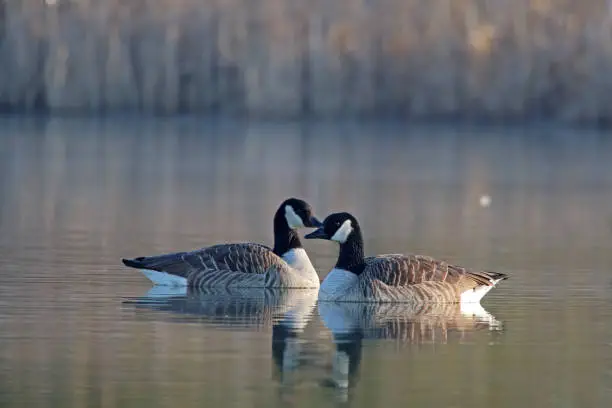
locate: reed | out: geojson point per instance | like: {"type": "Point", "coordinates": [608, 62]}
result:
{"type": "Point", "coordinates": [470, 59]}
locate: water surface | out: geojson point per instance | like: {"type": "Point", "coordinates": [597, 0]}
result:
{"type": "Point", "coordinates": [78, 329]}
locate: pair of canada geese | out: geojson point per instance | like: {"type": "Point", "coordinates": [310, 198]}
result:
{"type": "Point", "coordinates": [354, 278]}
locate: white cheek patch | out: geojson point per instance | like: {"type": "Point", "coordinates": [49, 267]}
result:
{"type": "Point", "coordinates": [293, 220]}
{"type": "Point", "coordinates": [343, 232]}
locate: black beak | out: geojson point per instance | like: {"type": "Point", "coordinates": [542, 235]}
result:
{"type": "Point", "coordinates": [313, 222]}
{"type": "Point", "coordinates": [318, 233]}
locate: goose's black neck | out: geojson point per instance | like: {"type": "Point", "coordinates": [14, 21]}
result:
{"type": "Point", "coordinates": [351, 256]}
{"type": "Point", "coordinates": [285, 238]}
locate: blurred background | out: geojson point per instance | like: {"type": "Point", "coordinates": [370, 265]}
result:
{"type": "Point", "coordinates": [468, 59]}
{"type": "Point", "coordinates": [470, 131]}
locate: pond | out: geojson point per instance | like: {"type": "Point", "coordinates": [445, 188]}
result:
{"type": "Point", "coordinates": [77, 328]}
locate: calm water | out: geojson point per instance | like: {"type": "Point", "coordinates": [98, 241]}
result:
{"type": "Point", "coordinates": [79, 330]}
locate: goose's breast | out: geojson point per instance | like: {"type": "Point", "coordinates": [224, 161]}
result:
{"type": "Point", "coordinates": [298, 259]}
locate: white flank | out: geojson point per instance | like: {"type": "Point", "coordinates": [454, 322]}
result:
{"type": "Point", "coordinates": [336, 283]}
{"type": "Point", "coordinates": [293, 220]}
{"type": "Point", "coordinates": [163, 278]}
{"type": "Point", "coordinates": [298, 259]}
{"type": "Point", "coordinates": [343, 232]}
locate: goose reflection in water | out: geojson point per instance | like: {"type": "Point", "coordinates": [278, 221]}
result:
{"type": "Point", "coordinates": [288, 311]}
{"type": "Point", "coordinates": [352, 324]}
{"type": "Point", "coordinates": [292, 308]}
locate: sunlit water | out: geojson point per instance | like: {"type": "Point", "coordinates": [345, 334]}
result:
{"type": "Point", "coordinates": [77, 329]}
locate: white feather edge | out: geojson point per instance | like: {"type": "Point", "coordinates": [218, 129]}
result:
{"type": "Point", "coordinates": [163, 278]}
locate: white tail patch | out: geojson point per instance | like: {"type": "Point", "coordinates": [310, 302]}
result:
{"type": "Point", "coordinates": [474, 295]}
{"type": "Point", "coordinates": [163, 278]}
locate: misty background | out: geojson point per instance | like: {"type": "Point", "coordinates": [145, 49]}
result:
{"type": "Point", "coordinates": [467, 59]}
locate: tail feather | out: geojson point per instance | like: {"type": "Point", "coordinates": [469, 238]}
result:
{"type": "Point", "coordinates": [133, 263]}
{"type": "Point", "coordinates": [497, 276]}
{"type": "Point", "coordinates": [161, 270]}
{"type": "Point", "coordinates": [173, 264]}
{"type": "Point", "coordinates": [486, 278]}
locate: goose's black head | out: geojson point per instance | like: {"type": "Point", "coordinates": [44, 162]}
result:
{"type": "Point", "coordinates": [292, 214]}
{"type": "Point", "coordinates": [339, 227]}
{"type": "Point", "coordinates": [344, 229]}
{"type": "Point", "coordinates": [296, 214]}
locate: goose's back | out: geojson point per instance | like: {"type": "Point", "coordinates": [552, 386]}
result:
{"type": "Point", "coordinates": [234, 261]}
{"type": "Point", "coordinates": [398, 277]}
{"type": "Point", "coordinates": [244, 257]}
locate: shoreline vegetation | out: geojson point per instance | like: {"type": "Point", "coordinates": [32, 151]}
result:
{"type": "Point", "coordinates": [474, 60]}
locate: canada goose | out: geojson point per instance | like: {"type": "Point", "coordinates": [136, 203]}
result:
{"type": "Point", "coordinates": [394, 277]}
{"type": "Point", "coordinates": [246, 265]}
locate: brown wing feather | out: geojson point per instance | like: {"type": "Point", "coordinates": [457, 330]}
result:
{"type": "Point", "coordinates": [242, 257]}
{"type": "Point", "coordinates": [406, 270]}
